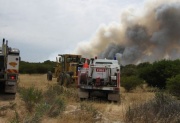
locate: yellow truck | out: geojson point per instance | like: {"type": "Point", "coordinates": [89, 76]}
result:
{"type": "Point", "coordinates": [66, 69]}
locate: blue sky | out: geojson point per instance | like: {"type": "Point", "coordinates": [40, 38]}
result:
{"type": "Point", "coordinates": [42, 29]}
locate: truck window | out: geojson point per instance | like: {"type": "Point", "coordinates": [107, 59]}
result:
{"type": "Point", "coordinates": [103, 63]}
{"type": "Point", "coordinates": [68, 60]}
{"type": "Point", "coordinates": [13, 51]}
{"type": "Point", "coordinates": [72, 59]}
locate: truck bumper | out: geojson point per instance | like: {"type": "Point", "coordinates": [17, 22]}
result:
{"type": "Point", "coordinates": [110, 95]}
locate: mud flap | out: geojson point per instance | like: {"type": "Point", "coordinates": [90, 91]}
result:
{"type": "Point", "coordinates": [114, 97]}
{"type": "Point", "coordinates": [10, 88]}
{"type": "Point", "coordinates": [83, 94]}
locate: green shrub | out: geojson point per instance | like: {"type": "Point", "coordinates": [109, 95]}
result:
{"type": "Point", "coordinates": [130, 82]}
{"type": "Point", "coordinates": [173, 85]}
{"type": "Point", "coordinates": [41, 109]}
{"type": "Point", "coordinates": [51, 103]}
{"type": "Point", "coordinates": [51, 93]}
{"type": "Point", "coordinates": [54, 98]}
{"type": "Point", "coordinates": [88, 107]}
{"type": "Point", "coordinates": [30, 96]}
{"type": "Point", "coordinates": [57, 107]}
{"type": "Point", "coordinates": [57, 90]}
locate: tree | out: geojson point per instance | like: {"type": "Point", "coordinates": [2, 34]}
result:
{"type": "Point", "coordinates": [129, 70]}
{"type": "Point", "coordinates": [130, 82]}
{"type": "Point", "coordinates": [157, 73]}
{"type": "Point", "coordinates": [173, 85]}
{"type": "Point", "coordinates": [40, 68]}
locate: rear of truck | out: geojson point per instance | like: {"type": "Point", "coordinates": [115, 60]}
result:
{"type": "Point", "coordinates": [12, 71]}
{"type": "Point", "coordinates": [100, 79]}
{"type": "Point", "coordinates": [9, 68]}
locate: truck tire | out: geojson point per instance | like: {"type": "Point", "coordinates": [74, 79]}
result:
{"type": "Point", "coordinates": [49, 76]}
{"type": "Point", "coordinates": [61, 79]}
{"type": "Point", "coordinates": [67, 80]}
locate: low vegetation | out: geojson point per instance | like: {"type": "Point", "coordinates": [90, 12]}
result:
{"type": "Point", "coordinates": [31, 96]}
{"type": "Point", "coordinates": [50, 103]}
{"type": "Point", "coordinates": [154, 97]}
{"type": "Point", "coordinates": [60, 104]}
{"type": "Point", "coordinates": [163, 108]}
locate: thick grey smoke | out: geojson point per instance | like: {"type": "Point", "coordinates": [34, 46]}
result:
{"type": "Point", "coordinates": [150, 35]}
{"type": "Point", "coordinates": [111, 50]}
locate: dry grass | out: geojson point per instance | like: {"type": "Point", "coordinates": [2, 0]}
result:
{"type": "Point", "coordinates": [163, 108]}
{"type": "Point", "coordinates": [106, 111]}
{"type": "Point", "coordinates": [38, 80]}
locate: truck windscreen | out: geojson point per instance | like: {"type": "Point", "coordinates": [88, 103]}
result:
{"type": "Point", "coordinates": [103, 63]}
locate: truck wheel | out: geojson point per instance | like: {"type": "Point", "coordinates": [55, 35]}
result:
{"type": "Point", "coordinates": [64, 79]}
{"type": "Point", "coordinates": [61, 79]}
{"type": "Point", "coordinates": [49, 76]}
{"type": "Point", "coordinates": [67, 80]}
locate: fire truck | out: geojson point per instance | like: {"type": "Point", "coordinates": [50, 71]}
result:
{"type": "Point", "coordinates": [100, 78]}
{"type": "Point", "coordinates": [9, 68]}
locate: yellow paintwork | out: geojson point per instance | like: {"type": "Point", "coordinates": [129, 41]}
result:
{"type": "Point", "coordinates": [69, 64]}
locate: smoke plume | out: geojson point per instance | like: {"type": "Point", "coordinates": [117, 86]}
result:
{"type": "Point", "coordinates": [152, 34]}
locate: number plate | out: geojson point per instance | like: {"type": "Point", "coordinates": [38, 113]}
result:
{"type": "Point", "coordinates": [11, 83]}
{"type": "Point", "coordinates": [100, 69]}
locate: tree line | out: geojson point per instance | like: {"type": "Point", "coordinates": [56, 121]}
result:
{"type": "Point", "coordinates": [36, 68]}
{"type": "Point", "coordinates": [163, 74]}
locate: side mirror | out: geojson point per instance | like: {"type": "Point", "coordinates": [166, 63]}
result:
{"type": "Point", "coordinates": [60, 59]}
